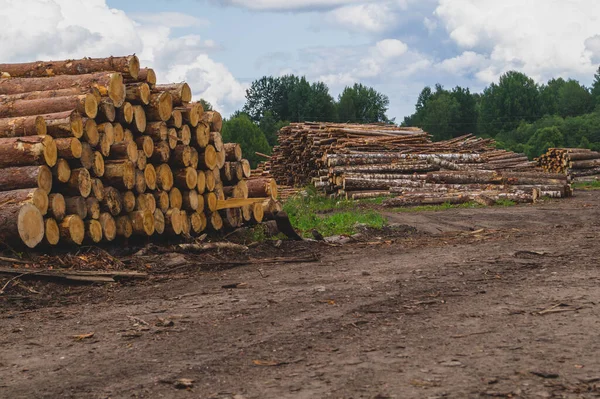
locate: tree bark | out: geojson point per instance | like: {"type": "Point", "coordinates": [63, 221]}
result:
{"type": "Point", "coordinates": [160, 107]}
{"type": "Point", "coordinates": [22, 221]}
{"type": "Point", "coordinates": [34, 125]}
{"type": "Point", "coordinates": [34, 196]}
{"type": "Point", "coordinates": [14, 178]}
{"type": "Point", "coordinates": [27, 151]}
{"type": "Point", "coordinates": [112, 201]}
{"type": "Point", "coordinates": [76, 206]}
{"type": "Point", "coordinates": [181, 92]}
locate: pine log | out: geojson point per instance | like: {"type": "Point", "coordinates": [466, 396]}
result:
{"type": "Point", "coordinates": [246, 169]}
{"type": "Point", "coordinates": [176, 120]}
{"type": "Point", "coordinates": [22, 221]}
{"type": "Point", "coordinates": [242, 185]}
{"type": "Point", "coordinates": [72, 229]}
{"type": "Point", "coordinates": [93, 230]}
{"type": "Point", "coordinates": [68, 148]}
{"type": "Point", "coordinates": [262, 187]}
{"type": "Point", "coordinates": [175, 198]}
{"type": "Point", "coordinates": [186, 225]}
{"type": "Point", "coordinates": [56, 206]}
{"type": "Point", "coordinates": [164, 177]}
{"type": "Point", "coordinates": [142, 222]}
{"type": "Point", "coordinates": [210, 180]}
{"type": "Point", "coordinates": [107, 83]}
{"type": "Point", "coordinates": [34, 196]}
{"type": "Point", "coordinates": [76, 206]}
{"type": "Point", "coordinates": [140, 182]}
{"type": "Point", "coordinates": [119, 133]}
{"type": "Point", "coordinates": [585, 164]}
{"type": "Point", "coordinates": [129, 66]}
{"type": "Point", "coordinates": [160, 107]}
{"type": "Point", "coordinates": [186, 178]}
{"type": "Point", "coordinates": [14, 178]}
{"type": "Point", "coordinates": [192, 113]}
{"type": "Point", "coordinates": [208, 159]}
{"type": "Point", "coordinates": [233, 152]}
{"type": "Point", "coordinates": [85, 104]}
{"type": "Point", "coordinates": [98, 164]}
{"type": "Point", "coordinates": [161, 152]}
{"type": "Point", "coordinates": [106, 110]}
{"type": "Point", "coordinates": [181, 156]}
{"type": "Point", "coordinates": [190, 200]}
{"type": "Point", "coordinates": [417, 167]}
{"type": "Point", "coordinates": [216, 140]}
{"type": "Point", "coordinates": [93, 208]}
{"type": "Point", "coordinates": [197, 222]}
{"type": "Point", "coordinates": [181, 92]}
{"type": "Point", "coordinates": [120, 174]}
{"type": "Point", "coordinates": [138, 93]}
{"type": "Point", "coordinates": [162, 200]}
{"type": "Point", "coordinates": [258, 212]}
{"type": "Point", "coordinates": [33, 125]}
{"type": "Point", "coordinates": [221, 159]}
{"type": "Point", "coordinates": [124, 150]}
{"type": "Point", "coordinates": [80, 183]}
{"type": "Point", "coordinates": [202, 134]}
{"type": "Point", "coordinates": [27, 151]}
{"type": "Point", "coordinates": [145, 144]}
{"type": "Point", "coordinates": [201, 186]}
{"type": "Point", "coordinates": [173, 221]}
{"type": "Point", "coordinates": [214, 119]}
{"type": "Point", "coordinates": [214, 221]}
{"type": "Point", "coordinates": [112, 201]}
{"type": "Point", "coordinates": [98, 189]}
{"type": "Point", "coordinates": [61, 171]}
{"type": "Point", "coordinates": [124, 226]}
{"type": "Point", "coordinates": [128, 201]}
{"type": "Point", "coordinates": [184, 135]}
{"type": "Point", "coordinates": [51, 232]}
{"type": "Point", "coordinates": [146, 75]}
{"type": "Point", "coordinates": [195, 158]}
{"type": "Point", "coordinates": [64, 124]}
{"type": "Point", "coordinates": [159, 221]}
{"type": "Point", "coordinates": [109, 226]}
{"type": "Point", "coordinates": [210, 202]}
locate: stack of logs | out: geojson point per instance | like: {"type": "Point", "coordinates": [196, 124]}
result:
{"type": "Point", "coordinates": [368, 161]}
{"type": "Point", "coordinates": [94, 150]}
{"type": "Point", "coordinates": [574, 162]}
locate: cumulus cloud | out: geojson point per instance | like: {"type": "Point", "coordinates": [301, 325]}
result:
{"type": "Point", "coordinates": [542, 38]}
{"type": "Point", "coordinates": [61, 29]}
{"type": "Point", "coordinates": [467, 62]}
{"type": "Point", "coordinates": [373, 17]}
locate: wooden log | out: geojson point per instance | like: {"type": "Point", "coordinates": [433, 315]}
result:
{"type": "Point", "coordinates": [112, 201]}
{"type": "Point", "coordinates": [34, 196]}
{"type": "Point", "coordinates": [181, 156]}
{"type": "Point", "coordinates": [162, 200]}
{"type": "Point", "coordinates": [478, 177]}
{"type": "Point", "coordinates": [581, 156]}
{"type": "Point", "coordinates": [173, 222]}
{"type": "Point", "coordinates": [85, 104]}
{"type": "Point", "coordinates": [207, 160]}
{"type": "Point", "coordinates": [137, 93]}
{"type": "Point", "coordinates": [72, 229]}
{"type": "Point", "coordinates": [181, 92]}
{"type": "Point", "coordinates": [184, 135]}
{"type": "Point", "coordinates": [201, 186]}
{"type": "Point", "coordinates": [246, 169]}
{"type": "Point", "coordinates": [98, 164]}
{"type": "Point", "coordinates": [76, 206]}
{"type": "Point", "coordinates": [585, 164]}
{"type": "Point", "coordinates": [146, 144]}
{"type": "Point", "coordinates": [129, 66]}
{"type": "Point", "coordinates": [172, 138]}
{"type": "Point", "coordinates": [80, 183]}
{"type": "Point", "coordinates": [51, 232]}
{"type": "Point", "coordinates": [108, 84]}
{"type": "Point", "coordinates": [262, 187]}
{"type": "Point", "coordinates": [202, 134]}
{"type": "Point", "coordinates": [186, 225]}
{"type": "Point", "coordinates": [57, 207]}
{"type": "Point", "coordinates": [93, 208]}
{"type": "Point", "coordinates": [150, 176]}
{"type": "Point", "coordinates": [214, 119]}
{"type": "Point", "coordinates": [160, 106]}
{"type": "Point", "coordinates": [14, 178]}
{"type": "Point", "coordinates": [258, 212]}
{"type": "Point", "coordinates": [231, 218]}
{"type": "Point", "coordinates": [197, 223]}
{"type": "Point", "coordinates": [148, 76]}
{"type": "Point", "coordinates": [242, 185]}
{"type": "Point", "coordinates": [164, 177]}
{"type": "Point", "coordinates": [98, 189]}
{"type": "Point", "coordinates": [195, 158]}
{"type": "Point", "coordinates": [33, 125]}
{"type": "Point", "coordinates": [186, 178]}
{"type": "Point", "coordinates": [106, 110]}
{"type": "Point", "coordinates": [107, 137]}
{"type": "Point", "coordinates": [120, 174]}
{"type": "Point", "coordinates": [161, 152]}
{"type": "Point", "coordinates": [220, 159]}
{"type": "Point", "coordinates": [159, 221]}
{"type": "Point", "coordinates": [176, 120]}
{"type": "Point", "coordinates": [124, 150]}
{"type": "Point", "coordinates": [233, 152]}
{"type": "Point", "coordinates": [142, 161]}
{"type": "Point", "coordinates": [191, 113]}
{"type": "Point", "coordinates": [109, 226]}
{"type": "Point", "coordinates": [417, 167]}
{"type": "Point", "coordinates": [426, 200]}
{"type": "Point", "coordinates": [214, 221]}
{"type": "Point", "coordinates": [210, 181]}
{"type": "Point", "coordinates": [190, 200]}
{"type": "Point", "coordinates": [27, 151]}
{"type": "Point", "coordinates": [38, 95]}
{"type": "Point", "coordinates": [22, 221]}
{"type": "Point", "coordinates": [175, 198]}
{"type": "Point", "coordinates": [216, 140]}
{"type": "Point", "coordinates": [90, 132]}
{"type": "Point", "coordinates": [211, 201]}
{"type": "Point", "coordinates": [93, 230]}
{"type": "Point", "coordinates": [68, 148]}
{"type": "Point", "coordinates": [142, 222]}
{"type": "Point", "coordinates": [128, 201]}
{"type": "Point", "coordinates": [64, 124]}
{"type": "Point", "coordinates": [124, 226]}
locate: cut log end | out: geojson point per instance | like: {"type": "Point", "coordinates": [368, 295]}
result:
{"type": "Point", "coordinates": [57, 207]}
{"type": "Point", "coordinates": [93, 230]}
{"type": "Point", "coordinates": [72, 229]}
{"type": "Point", "coordinates": [109, 227]}
{"type": "Point", "coordinates": [52, 232]}
{"type": "Point", "coordinates": [30, 225]}
{"type": "Point", "coordinates": [159, 221]}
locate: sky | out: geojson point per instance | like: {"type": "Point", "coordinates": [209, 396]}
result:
{"type": "Point", "coordinates": [396, 46]}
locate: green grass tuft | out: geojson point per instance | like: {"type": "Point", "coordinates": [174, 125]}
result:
{"type": "Point", "coordinates": [588, 185]}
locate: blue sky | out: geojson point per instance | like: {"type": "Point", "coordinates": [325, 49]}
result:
{"type": "Point", "coordinates": [396, 46]}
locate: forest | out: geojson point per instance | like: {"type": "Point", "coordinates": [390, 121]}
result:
{"type": "Point", "coordinates": [520, 114]}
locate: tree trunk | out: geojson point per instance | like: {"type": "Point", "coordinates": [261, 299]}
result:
{"type": "Point", "coordinates": [26, 151]}
{"type": "Point", "coordinates": [233, 152]}
{"type": "Point", "coordinates": [262, 187]}
{"type": "Point", "coordinates": [173, 221]}
{"type": "Point", "coordinates": [138, 93]}
{"type": "Point", "coordinates": [214, 119]}
{"type": "Point", "coordinates": [34, 125]}
{"type": "Point", "coordinates": [129, 66]}
{"type": "Point", "coordinates": [34, 196]}
{"type": "Point", "coordinates": [64, 124]}
{"type": "Point", "coordinates": [207, 160]}
{"type": "Point", "coordinates": [192, 113]}
{"type": "Point", "coordinates": [120, 174]}
{"type": "Point", "coordinates": [197, 222]}
{"type": "Point", "coordinates": [76, 206]}
{"type": "Point", "coordinates": [176, 120]}
{"type": "Point", "coordinates": [22, 221]}
{"type": "Point", "coordinates": [146, 75]}
{"type": "Point", "coordinates": [69, 148]}
{"type": "Point", "coordinates": [160, 107]}
{"type": "Point", "coordinates": [190, 200]}
{"type": "Point", "coordinates": [107, 83]}
{"type": "Point", "coordinates": [14, 178]}
{"type": "Point", "coordinates": [181, 92]}
{"type": "Point", "coordinates": [175, 198]}
{"type": "Point", "coordinates": [186, 178]}
{"type": "Point", "coordinates": [202, 134]}
{"type": "Point", "coordinates": [124, 150]}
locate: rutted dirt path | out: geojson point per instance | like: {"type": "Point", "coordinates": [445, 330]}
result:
{"type": "Point", "coordinates": [500, 302]}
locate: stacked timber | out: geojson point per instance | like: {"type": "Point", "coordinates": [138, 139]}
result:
{"type": "Point", "coordinates": [94, 150]}
{"type": "Point", "coordinates": [574, 162]}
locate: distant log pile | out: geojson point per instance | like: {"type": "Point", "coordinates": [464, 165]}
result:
{"type": "Point", "coordinates": [574, 162]}
{"type": "Point", "coordinates": [94, 150]}
{"type": "Point", "coordinates": [367, 161]}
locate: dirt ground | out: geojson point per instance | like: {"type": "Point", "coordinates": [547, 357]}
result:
{"type": "Point", "coordinates": [495, 302]}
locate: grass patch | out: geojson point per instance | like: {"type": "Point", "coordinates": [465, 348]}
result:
{"type": "Point", "coordinates": [307, 213]}
{"type": "Point", "coordinates": [442, 207]}
{"type": "Point", "coordinates": [587, 185]}
{"type": "Point", "coordinates": [505, 202]}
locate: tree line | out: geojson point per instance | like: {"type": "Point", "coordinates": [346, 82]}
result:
{"type": "Point", "coordinates": [518, 113]}
{"type": "Point", "coordinates": [274, 102]}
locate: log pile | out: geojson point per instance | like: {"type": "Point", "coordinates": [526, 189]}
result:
{"type": "Point", "coordinates": [574, 162]}
{"type": "Point", "coordinates": [367, 161]}
{"type": "Point", "coordinates": [94, 150]}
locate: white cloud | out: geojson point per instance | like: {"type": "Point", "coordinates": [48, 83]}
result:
{"type": "Point", "coordinates": [430, 25]}
{"type": "Point", "coordinates": [170, 19]}
{"type": "Point", "coordinates": [467, 62]}
{"type": "Point", "coordinates": [289, 5]}
{"type": "Point", "coordinates": [390, 48]}
{"type": "Point", "coordinates": [375, 17]}
{"type": "Point", "coordinates": [542, 38]}
{"type": "Point", "coordinates": [592, 46]}
{"type": "Point", "coordinates": [62, 29]}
